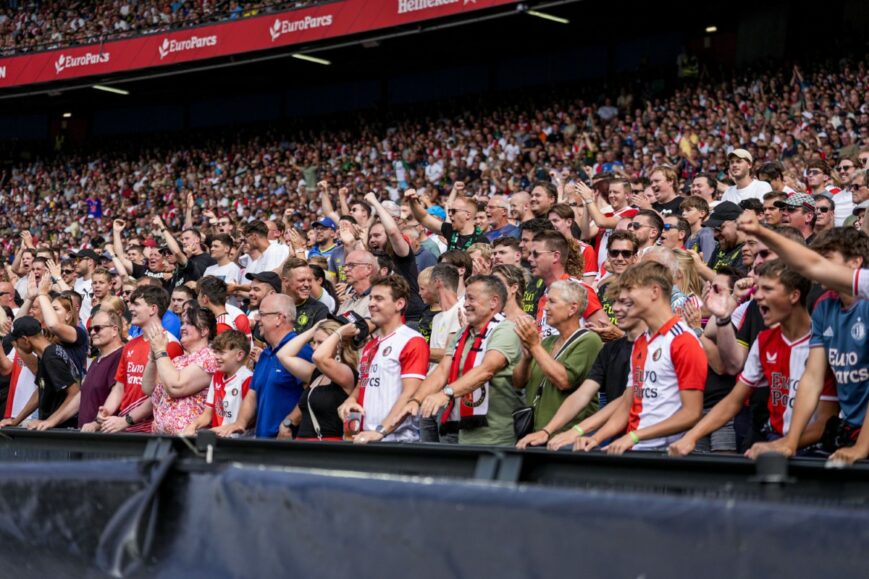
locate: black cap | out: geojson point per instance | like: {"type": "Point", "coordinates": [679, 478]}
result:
{"type": "Point", "coordinates": [352, 317]}
{"type": "Point", "coordinates": [724, 211]}
{"type": "Point", "coordinates": [25, 326]}
{"type": "Point", "coordinates": [85, 253]}
{"type": "Point", "coordinates": [268, 277]}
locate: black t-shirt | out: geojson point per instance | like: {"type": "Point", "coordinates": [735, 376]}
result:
{"type": "Point", "coordinates": [673, 207]}
{"type": "Point", "coordinates": [533, 293]}
{"type": "Point", "coordinates": [406, 267]}
{"type": "Point", "coordinates": [606, 303]}
{"type": "Point", "coordinates": [194, 269]}
{"type": "Point", "coordinates": [717, 387]}
{"type": "Point", "coordinates": [55, 373]}
{"type": "Point", "coordinates": [309, 313]}
{"type": "Point", "coordinates": [78, 350]}
{"type": "Point", "coordinates": [462, 242]}
{"type": "Point", "coordinates": [611, 367]}
{"type": "Point", "coordinates": [140, 271]}
{"type": "Point", "coordinates": [425, 322]}
{"type": "Point", "coordinates": [727, 257]}
{"type": "Point", "coordinates": [325, 402]}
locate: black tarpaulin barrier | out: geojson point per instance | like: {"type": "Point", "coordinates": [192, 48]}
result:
{"type": "Point", "coordinates": [259, 522]}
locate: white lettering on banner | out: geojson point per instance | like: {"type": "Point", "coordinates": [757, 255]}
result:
{"type": "Point", "coordinates": [168, 46]}
{"type": "Point", "coordinates": [64, 62]}
{"type": "Point", "coordinates": [2, 72]}
{"type": "Point", "coordinates": [405, 6]}
{"type": "Point", "coordinates": [281, 27]}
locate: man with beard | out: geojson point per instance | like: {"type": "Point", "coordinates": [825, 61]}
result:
{"type": "Point", "coordinates": [744, 187]}
{"type": "Point", "coordinates": [520, 207]}
{"type": "Point", "coordinates": [461, 233]}
{"type": "Point", "coordinates": [325, 229]}
{"type": "Point", "coordinates": [192, 261]}
{"type": "Point", "coordinates": [298, 279]}
{"type": "Point", "coordinates": [729, 238]}
{"type": "Point", "coordinates": [86, 263]}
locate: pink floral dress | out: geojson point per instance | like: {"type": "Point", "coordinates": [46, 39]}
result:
{"type": "Point", "coordinates": [172, 415]}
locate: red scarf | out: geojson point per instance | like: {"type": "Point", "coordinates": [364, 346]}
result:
{"type": "Point", "coordinates": [471, 413]}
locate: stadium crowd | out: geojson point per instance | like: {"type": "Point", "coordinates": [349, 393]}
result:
{"type": "Point", "coordinates": [31, 25]}
{"type": "Point", "coordinates": [682, 274]}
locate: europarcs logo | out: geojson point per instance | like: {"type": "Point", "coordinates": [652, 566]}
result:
{"type": "Point", "coordinates": [168, 46]}
{"type": "Point", "coordinates": [280, 27]}
{"type": "Point", "coordinates": [65, 62]}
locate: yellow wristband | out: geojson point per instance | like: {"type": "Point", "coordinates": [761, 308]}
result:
{"type": "Point", "coordinates": [579, 429]}
{"type": "Point", "coordinates": [634, 436]}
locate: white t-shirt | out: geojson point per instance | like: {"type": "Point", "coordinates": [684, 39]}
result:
{"type": "Point", "coordinates": [328, 301]}
{"type": "Point", "coordinates": [844, 201]}
{"type": "Point", "coordinates": [85, 289]}
{"type": "Point", "coordinates": [442, 326]}
{"type": "Point", "coordinates": [755, 190]}
{"type": "Point", "coordinates": [271, 259]}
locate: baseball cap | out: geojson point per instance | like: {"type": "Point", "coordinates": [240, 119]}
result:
{"type": "Point", "coordinates": [268, 277]}
{"type": "Point", "coordinates": [742, 154]}
{"type": "Point", "coordinates": [724, 211]}
{"type": "Point", "coordinates": [437, 211]}
{"type": "Point", "coordinates": [327, 223]}
{"type": "Point", "coordinates": [87, 253]}
{"type": "Point", "coordinates": [803, 200]}
{"type": "Point", "coordinates": [25, 326]}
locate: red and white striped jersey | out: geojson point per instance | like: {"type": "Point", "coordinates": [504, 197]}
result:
{"type": "Point", "coordinates": [662, 365]}
{"type": "Point", "coordinates": [233, 319]}
{"type": "Point", "coordinates": [593, 305]}
{"type": "Point", "coordinates": [384, 363]}
{"type": "Point", "coordinates": [226, 394]}
{"type": "Point", "coordinates": [22, 384]}
{"type": "Point", "coordinates": [775, 362]}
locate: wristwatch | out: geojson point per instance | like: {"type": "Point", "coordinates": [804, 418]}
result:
{"type": "Point", "coordinates": [287, 424]}
{"type": "Point", "coordinates": [380, 429]}
{"type": "Point", "coordinates": [449, 392]}
{"type": "Point", "coordinates": [159, 355]}
{"type": "Point", "coordinates": [129, 419]}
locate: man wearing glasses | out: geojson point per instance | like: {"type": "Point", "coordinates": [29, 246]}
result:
{"type": "Point", "coordinates": [360, 267]}
{"type": "Point", "coordinates": [647, 226]}
{"type": "Point", "coordinates": [825, 209]}
{"type": "Point", "coordinates": [798, 211]}
{"type": "Point", "coordinates": [105, 332]}
{"type": "Point", "coordinates": [498, 214]}
{"type": "Point", "coordinates": [461, 232]}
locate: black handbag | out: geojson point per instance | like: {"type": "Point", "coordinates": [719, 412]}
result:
{"type": "Point", "coordinates": [523, 418]}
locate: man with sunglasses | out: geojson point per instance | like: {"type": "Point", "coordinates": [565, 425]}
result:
{"type": "Point", "coordinates": [86, 262]}
{"type": "Point", "coordinates": [798, 211]}
{"type": "Point", "coordinates": [825, 209]}
{"type": "Point", "coordinates": [460, 232]}
{"type": "Point", "coordinates": [105, 331]}
{"type": "Point", "coordinates": [647, 226]}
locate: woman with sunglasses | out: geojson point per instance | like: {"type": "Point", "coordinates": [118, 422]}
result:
{"type": "Point", "coordinates": [178, 387]}
{"type": "Point", "coordinates": [330, 379]}
{"type": "Point", "coordinates": [107, 337]}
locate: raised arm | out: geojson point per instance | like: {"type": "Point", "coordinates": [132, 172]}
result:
{"type": "Point", "coordinates": [118, 226]}
{"type": "Point", "coordinates": [324, 358]}
{"type": "Point", "coordinates": [288, 355]}
{"type": "Point", "coordinates": [171, 243]}
{"type": "Point", "coordinates": [430, 222]}
{"type": "Point", "coordinates": [326, 202]}
{"type": "Point", "coordinates": [399, 243]}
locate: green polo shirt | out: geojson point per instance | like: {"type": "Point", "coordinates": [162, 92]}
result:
{"type": "Point", "coordinates": [503, 397]}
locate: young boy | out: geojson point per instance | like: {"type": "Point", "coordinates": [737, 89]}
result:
{"type": "Point", "coordinates": [229, 385]}
{"type": "Point", "coordinates": [695, 210]}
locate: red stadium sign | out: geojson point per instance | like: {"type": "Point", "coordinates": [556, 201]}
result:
{"type": "Point", "coordinates": [288, 28]}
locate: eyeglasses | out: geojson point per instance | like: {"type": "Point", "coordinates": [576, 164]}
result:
{"type": "Point", "coordinates": [823, 209]}
{"type": "Point", "coordinates": [535, 254]}
{"type": "Point", "coordinates": [349, 265]}
{"type": "Point", "coordinates": [635, 225]}
{"type": "Point", "coordinates": [623, 253]}
{"type": "Point", "coordinates": [264, 314]}
{"type": "Point", "coordinates": [845, 167]}
{"type": "Point", "coordinates": [763, 253]}
{"type": "Point", "coordinates": [95, 329]}
{"type": "Point", "coordinates": [814, 172]}
{"type": "Point", "coordinates": [452, 211]}
{"type": "Point", "coordinates": [790, 209]}
{"type": "Point", "coordinates": [67, 271]}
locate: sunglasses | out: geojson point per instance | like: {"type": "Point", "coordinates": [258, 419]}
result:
{"type": "Point", "coordinates": [814, 172]}
{"type": "Point", "coordinates": [845, 167]}
{"type": "Point", "coordinates": [823, 209]}
{"type": "Point", "coordinates": [95, 329]}
{"type": "Point", "coordinates": [66, 271]}
{"type": "Point", "coordinates": [763, 253]}
{"type": "Point", "coordinates": [791, 209]}
{"type": "Point", "coordinates": [453, 211]}
{"type": "Point", "coordinates": [669, 226]}
{"type": "Point", "coordinates": [535, 254]}
{"type": "Point", "coordinates": [623, 253]}
{"type": "Point", "coordinates": [635, 225]}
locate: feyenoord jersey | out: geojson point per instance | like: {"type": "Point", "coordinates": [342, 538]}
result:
{"type": "Point", "coordinates": [131, 368]}
{"type": "Point", "coordinates": [233, 319]}
{"type": "Point", "coordinates": [662, 365]}
{"type": "Point", "coordinates": [226, 394]}
{"type": "Point", "coordinates": [384, 363]}
{"type": "Point", "coordinates": [22, 385]}
{"type": "Point", "coordinates": [776, 363]}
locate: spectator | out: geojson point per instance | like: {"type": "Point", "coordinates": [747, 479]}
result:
{"type": "Point", "coordinates": [825, 209]}
{"type": "Point", "coordinates": [106, 330]}
{"type": "Point", "coordinates": [361, 268]}
{"type": "Point", "coordinates": [211, 294]}
{"type": "Point", "coordinates": [744, 187]}
{"type": "Point", "coordinates": [473, 380]}
{"type": "Point", "coordinates": [229, 384]}
{"type": "Point", "coordinates": [264, 256]}
{"type": "Point", "coordinates": [772, 213]}
{"type": "Point", "coordinates": [557, 365]}
{"type": "Point", "coordinates": [513, 278]}
{"type": "Point", "coordinates": [298, 280]}
{"type": "Point", "coordinates": [391, 369]}
{"type": "Point", "coordinates": [798, 211]}
{"type": "Point", "coordinates": [647, 227]}
{"type": "Point", "coordinates": [664, 186]}
{"type": "Point", "coordinates": [497, 214]}
{"type": "Point", "coordinates": [461, 232]}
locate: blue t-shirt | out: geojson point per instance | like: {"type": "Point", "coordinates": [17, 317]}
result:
{"type": "Point", "coordinates": [842, 334]}
{"type": "Point", "coordinates": [277, 390]}
{"type": "Point", "coordinates": [508, 230]}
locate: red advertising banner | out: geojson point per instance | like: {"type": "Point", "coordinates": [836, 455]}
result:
{"type": "Point", "coordinates": [331, 20]}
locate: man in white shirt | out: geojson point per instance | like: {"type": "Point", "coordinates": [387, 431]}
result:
{"type": "Point", "coordinates": [225, 269]}
{"type": "Point", "coordinates": [745, 187]}
{"type": "Point", "coordinates": [272, 255]}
